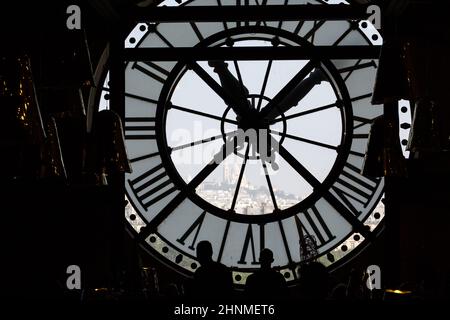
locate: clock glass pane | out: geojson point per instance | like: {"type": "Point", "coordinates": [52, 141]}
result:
{"type": "Point", "coordinates": [251, 153]}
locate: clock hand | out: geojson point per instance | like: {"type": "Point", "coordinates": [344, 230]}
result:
{"type": "Point", "coordinates": [223, 92]}
{"type": "Point", "coordinates": [233, 87]}
{"type": "Point", "coordinates": [227, 149]}
{"type": "Point", "coordinates": [300, 91]}
{"type": "Point", "coordinates": [293, 92]}
{"type": "Point", "coordinates": [327, 195]}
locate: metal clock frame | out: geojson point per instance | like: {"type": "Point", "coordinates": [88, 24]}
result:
{"type": "Point", "coordinates": [119, 54]}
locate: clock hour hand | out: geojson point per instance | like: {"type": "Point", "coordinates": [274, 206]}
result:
{"type": "Point", "coordinates": [286, 100]}
{"type": "Point", "coordinates": [233, 87]}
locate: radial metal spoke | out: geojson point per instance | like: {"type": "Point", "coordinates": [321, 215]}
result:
{"type": "Point", "coordinates": [190, 187]}
{"type": "Point", "coordinates": [238, 72]}
{"type": "Point", "coordinates": [203, 114]}
{"type": "Point", "coordinates": [270, 111]}
{"type": "Point", "coordinates": [303, 113]}
{"type": "Point", "coordinates": [217, 88]}
{"type": "Point", "coordinates": [241, 175]}
{"type": "Point", "coordinates": [269, 184]}
{"type": "Point", "coordinates": [197, 142]}
{"type": "Point", "coordinates": [316, 143]}
{"type": "Point", "coordinates": [263, 88]}
{"type": "Point", "coordinates": [329, 197]}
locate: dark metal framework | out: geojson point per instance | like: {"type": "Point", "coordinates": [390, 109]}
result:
{"type": "Point", "coordinates": [246, 14]}
{"type": "Point", "coordinates": [154, 15]}
{"type": "Point", "coordinates": [342, 95]}
{"type": "Point", "coordinates": [252, 53]}
{"type": "Point", "coordinates": [177, 14]}
{"type": "Point", "coordinates": [250, 13]}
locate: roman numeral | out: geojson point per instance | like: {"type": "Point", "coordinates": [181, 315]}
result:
{"type": "Point", "coordinates": [357, 154]}
{"type": "Point", "coordinates": [152, 226]}
{"type": "Point", "coordinates": [301, 230]}
{"type": "Point", "coordinates": [225, 27]}
{"type": "Point", "coordinates": [144, 157]}
{"type": "Point", "coordinates": [247, 3]}
{"type": "Point", "coordinates": [355, 187]}
{"type": "Point", "coordinates": [133, 96]}
{"type": "Point", "coordinates": [285, 243]}
{"type": "Point", "coordinates": [280, 23]}
{"type": "Point", "coordinates": [150, 183]}
{"type": "Point", "coordinates": [359, 122]}
{"type": "Point", "coordinates": [238, 3]}
{"type": "Point", "coordinates": [139, 128]}
{"type": "Point", "coordinates": [249, 243]}
{"type": "Point", "coordinates": [260, 3]}
{"type": "Point", "coordinates": [224, 240]}
{"type": "Point", "coordinates": [311, 179]}
{"type": "Point", "coordinates": [314, 219]}
{"type": "Point", "coordinates": [196, 226]}
{"type": "Point", "coordinates": [152, 70]}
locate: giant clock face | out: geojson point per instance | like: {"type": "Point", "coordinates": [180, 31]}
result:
{"type": "Point", "coordinates": [294, 175]}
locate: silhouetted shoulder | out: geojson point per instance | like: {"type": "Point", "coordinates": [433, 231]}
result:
{"type": "Point", "coordinates": [212, 269]}
{"type": "Point", "coordinates": [314, 281]}
{"type": "Point", "coordinates": [212, 280]}
{"type": "Point", "coordinates": [265, 284]}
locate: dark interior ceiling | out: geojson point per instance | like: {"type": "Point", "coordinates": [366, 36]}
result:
{"type": "Point", "coordinates": [38, 29]}
{"type": "Point", "coordinates": [34, 16]}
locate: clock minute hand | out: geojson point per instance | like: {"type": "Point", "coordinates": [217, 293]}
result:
{"type": "Point", "coordinates": [232, 87]}
{"type": "Point", "coordinates": [300, 91]}
{"type": "Point", "coordinates": [293, 92]}
{"type": "Point", "coordinates": [279, 105]}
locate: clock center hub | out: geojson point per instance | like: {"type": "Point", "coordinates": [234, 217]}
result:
{"type": "Point", "coordinates": [254, 125]}
{"type": "Point", "coordinates": [252, 121]}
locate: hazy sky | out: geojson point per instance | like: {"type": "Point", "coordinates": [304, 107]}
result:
{"type": "Point", "coordinates": [323, 126]}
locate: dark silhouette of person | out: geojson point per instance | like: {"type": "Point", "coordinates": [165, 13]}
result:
{"type": "Point", "coordinates": [339, 292]}
{"type": "Point", "coordinates": [266, 283]}
{"type": "Point", "coordinates": [314, 281]}
{"type": "Point", "coordinates": [212, 280]}
{"type": "Point", "coordinates": [356, 285]}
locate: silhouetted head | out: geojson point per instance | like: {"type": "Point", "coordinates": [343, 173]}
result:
{"type": "Point", "coordinates": [339, 292]}
{"type": "Point", "coordinates": [204, 252]}
{"type": "Point", "coordinates": [266, 258]}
